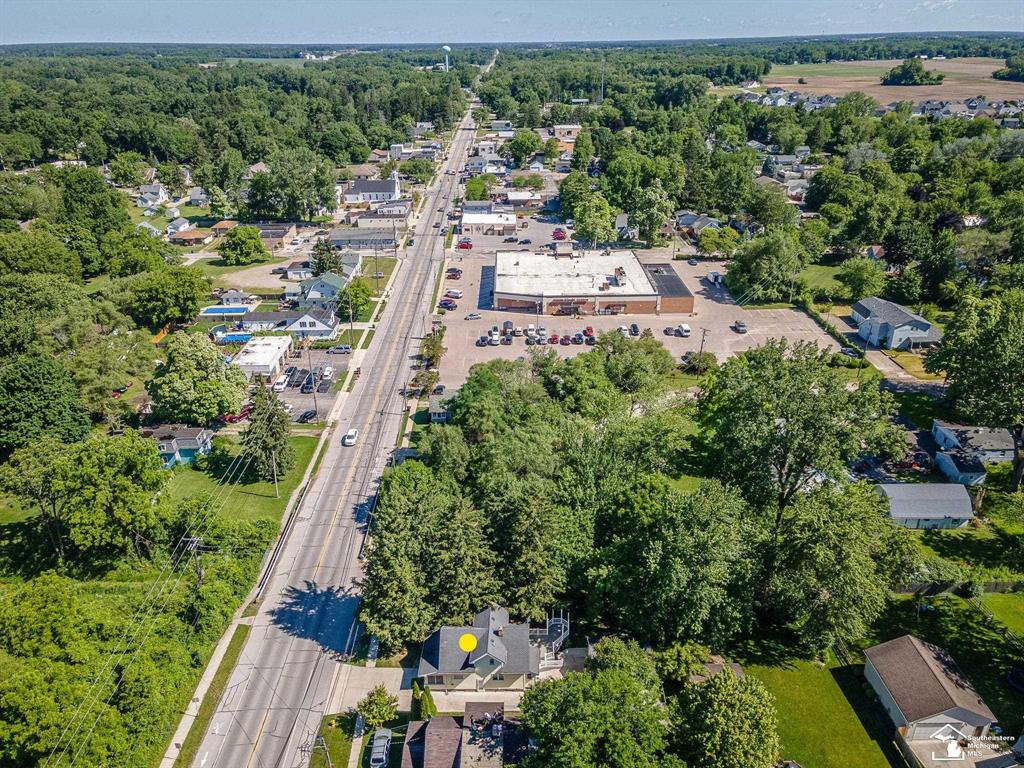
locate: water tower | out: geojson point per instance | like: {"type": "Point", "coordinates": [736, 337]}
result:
{"type": "Point", "coordinates": [447, 49]}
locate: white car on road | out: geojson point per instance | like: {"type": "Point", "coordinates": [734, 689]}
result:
{"type": "Point", "coordinates": [350, 437]}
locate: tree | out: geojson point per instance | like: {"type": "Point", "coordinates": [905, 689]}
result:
{"type": "Point", "coordinates": [727, 722]}
{"type": "Point", "coordinates": [39, 248]}
{"type": "Point", "coordinates": [908, 242]}
{"type": "Point", "coordinates": [38, 397]}
{"type": "Point", "coordinates": [171, 295]}
{"type": "Point", "coordinates": [766, 267]}
{"type": "Point", "coordinates": [324, 258]}
{"type": "Point", "coordinates": [242, 245]}
{"type": "Point", "coordinates": [604, 719]}
{"type": "Point", "coordinates": [220, 207]}
{"type": "Point", "coordinates": [551, 151]}
{"type": "Point", "coordinates": [354, 300]}
{"type": "Point", "coordinates": [769, 206]}
{"type": "Point", "coordinates": [980, 354]}
{"type": "Point", "coordinates": [521, 146]}
{"type": "Point", "coordinates": [377, 707]}
{"type": "Point", "coordinates": [266, 439]}
{"type": "Point", "coordinates": [419, 169]}
{"type": "Point", "coordinates": [479, 187]}
{"type": "Point", "coordinates": [681, 660]}
{"type": "Point", "coordinates": [905, 287]}
{"type": "Point", "coordinates": [126, 169]}
{"type": "Point", "coordinates": [779, 418]}
{"type": "Point", "coordinates": [302, 183]}
{"type": "Point", "coordinates": [194, 385]}
{"type": "Point", "coordinates": [582, 152]}
{"type": "Point", "coordinates": [651, 208]}
{"type": "Point", "coordinates": [721, 241]}
{"type": "Point", "coordinates": [261, 199]}
{"type": "Point", "coordinates": [912, 72]}
{"type": "Point", "coordinates": [594, 220]}
{"type": "Point", "coordinates": [862, 276]}
{"type": "Point", "coordinates": [573, 190]}
{"type": "Point", "coordinates": [172, 176]}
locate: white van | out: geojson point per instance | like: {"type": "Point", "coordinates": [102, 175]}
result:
{"type": "Point", "coordinates": [683, 330]}
{"type": "Point", "coordinates": [281, 383]}
{"type": "Point", "coordinates": [531, 331]}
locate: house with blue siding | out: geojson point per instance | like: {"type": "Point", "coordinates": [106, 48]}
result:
{"type": "Point", "coordinates": [179, 443]}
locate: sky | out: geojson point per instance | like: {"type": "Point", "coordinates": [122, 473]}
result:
{"type": "Point", "coordinates": [462, 21]}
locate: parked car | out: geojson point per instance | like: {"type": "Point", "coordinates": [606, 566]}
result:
{"type": "Point", "coordinates": [624, 330]}
{"type": "Point", "coordinates": [412, 241]}
{"type": "Point", "coordinates": [578, 338]}
{"type": "Point", "coordinates": [530, 341]}
{"type": "Point", "coordinates": [308, 385]}
{"type": "Point", "coordinates": [465, 246]}
{"type": "Point", "coordinates": [439, 389]}
{"type": "Point", "coordinates": [447, 304]}
{"type": "Point", "coordinates": [542, 340]}
{"type": "Point", "coordinates": [437, 225]}
{"type": "Point", "coordinates": [683, 330]}
{"type": "Point", "coordinates": [526, 241]}
{"type": "Point", "coordinates": [634, 329]}
{"type": "Point", "coordinates": [739, 326]}
{"type": "Point", "coordinates": [380, 747]}
{"type": "Point", "coordinates": [508, 326]}
{"type": "Point", "coordinates": [558, 235]}
{"type": "Point", "coordinates": [510, 240]}
{"type": "Point", "coordinates": [340, 349]}
{"type": "Point", "coordinates": [692, 262]}
{"type": "Point", "coordinates": [455, 276]}
{"type": "Point", "coordinates": [453, 293]}
{"type": "Point", "coordinates": [591, 341]}
{"type": "Point", "coordinates": [307, 417]}
{"type": "Point", "coordinates": [565, 341]}
{"type": "Point", "coordinates": [553, 339]}
{"type": "Point", "coordinates": [473, 316]}
{"type": "Point", "coordinates": [506, 339]}
{"type": "Point", "coordinates": [670, 330]}
{"type": "Point", "coordinates": [493, 340]}
{"type": "Point", "coordinates": [350, 437]}
{"type": "Point", "coordinates": [849, 352]}
{"type": "Point", "coordinates": [517, 331]}
{"type": "Point", "coordinates": [280, 383]}
{"type": "Point", "coordinates": [324, 386]}
{"type": "Point", "coordinates": [588, 331]}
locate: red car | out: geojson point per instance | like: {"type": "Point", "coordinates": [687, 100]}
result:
{"type": "Point", "coordinates": [558, 234]}
{"type": "Point", "coordinates": [465, 246]}
{"type": "Point", "coordinates": [588, 331]}
{"type": "Point", "coordinates": [553, 339]}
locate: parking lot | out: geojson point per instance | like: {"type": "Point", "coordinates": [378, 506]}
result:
{"type": "Point", "coordinates": [323, 399]}
{"type": "Point", "coordinates": [538, 231]}
{"type": "Point", "coordinates": [712, 322]}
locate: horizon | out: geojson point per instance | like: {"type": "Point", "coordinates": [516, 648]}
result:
{"type": "Point", "coordinates": [410, 24]}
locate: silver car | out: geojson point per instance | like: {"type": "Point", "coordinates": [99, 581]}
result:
{"type": "Point", "coordinates": [379, 748]}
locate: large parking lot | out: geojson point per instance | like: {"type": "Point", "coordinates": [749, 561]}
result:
{"type": "Point", "coordinates": [538, 231]}
{"type": "Point", "coordinates": [323, 399]}
{"type": "Point", "coordinates": [712, 321]}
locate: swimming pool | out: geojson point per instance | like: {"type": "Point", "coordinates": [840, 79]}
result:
{"type": "Point", "coordinates": [220, 310]}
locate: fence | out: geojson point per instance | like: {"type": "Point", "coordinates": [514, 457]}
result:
{"type": "Point", "coordinates": [939, 587]}
{"type": "Point", "coordinates": [1012, 637]}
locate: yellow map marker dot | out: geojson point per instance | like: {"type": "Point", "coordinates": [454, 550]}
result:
{"type": "Point", "coordinates": [467, 642]}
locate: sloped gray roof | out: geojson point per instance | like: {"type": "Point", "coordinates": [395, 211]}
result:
{"type": "Point", "coordinates": [924, 680]}
{"type": "Point", "coordinates": [887, 312]}
{"type": "Point", "coordinates": [979, 438]}
{"type": "Point", "coordinates": [496, 636]}
{"type": "Point", "coordinates": [927, 500]}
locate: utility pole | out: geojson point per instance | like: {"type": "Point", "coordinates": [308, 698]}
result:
{"type": "Point", "coordinates": [309, 360]}
{"type": "Point", "coordinates": [273, 459]}
{"type": "Point", "coordinates": [703, 335]}
{"type": "Point", "coordinates": [192, 546]}
{"type": "Point", "coordinates": [351, 322]}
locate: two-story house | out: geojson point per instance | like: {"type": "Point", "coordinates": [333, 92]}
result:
{"type": "Point", "coordinates": [887, 324]}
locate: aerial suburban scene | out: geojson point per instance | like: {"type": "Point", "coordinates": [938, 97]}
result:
{"type": "Point", "coordinates": [469, 384]}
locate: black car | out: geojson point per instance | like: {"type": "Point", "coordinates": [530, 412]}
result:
{"type": "Point", "coordinates": [634, 329]}
{"type": "Point", "coordinates": [324, 386]}
{"type": "Point", "coordinates": [298, 377]}
{"type": "Point", "coordinates": [510, 240]}
{"type": "Point", "coordinates": [590, 341]}
{"type": "Point", "coordinates": [308, 386]}
{"type": "Point", "coordinates": [306, 417]}
{"type": "Point", "coordinates": [527, 241]}
{"type": "Point", "coordinates": [481, 341]}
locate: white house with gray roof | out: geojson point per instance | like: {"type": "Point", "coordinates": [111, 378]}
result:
{"type": "Point", "coordinates": [927, 505]}
{"type": "Point", "coordinates": [890, 325]}
{"type": "Point", "coordinates": [503, 655]}
{"type": "Point", "coordinates": [966, 450]}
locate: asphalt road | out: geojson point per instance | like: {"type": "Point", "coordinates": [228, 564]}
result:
{"type": "Point", "coordinates": [277, 693]}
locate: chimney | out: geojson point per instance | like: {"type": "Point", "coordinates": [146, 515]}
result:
{"type": "Point", "coordinates": [500, 631]}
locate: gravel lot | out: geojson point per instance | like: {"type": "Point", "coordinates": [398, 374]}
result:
{"type": "Point", "coordinates": [714, 312]}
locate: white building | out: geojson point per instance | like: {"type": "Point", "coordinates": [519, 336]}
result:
{"type": "Point", "coordinates": [263, 356]}
{"type": "Point", "coordinates": [374, 190]}
{"type": "Point", "coordinates": [488, 224]}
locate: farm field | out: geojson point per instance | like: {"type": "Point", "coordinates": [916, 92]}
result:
{"type": "Point", "coordinates": [964, 78]}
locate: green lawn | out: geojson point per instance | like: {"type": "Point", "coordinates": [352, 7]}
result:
{"type": "Point", "coordinates": [920, 408]}
{"type": "Point", "coordinates": [833, 69]}
{"type": "Point", "coordinates": [367, 338]}
{"type": "Point", "coordinates": [979, 648]}
{"type": "Point", "coordinates": [337, 732]}
{"type": "Point", "coordinates": [912, 364]}
{"type": "Point", "coordinates": [386, 266]}
{"type": "Point", "coordinates": [1008, 608]}
{"type": "Point", "coordinates": [247, 501]}
{"type": "Point", "coordinates": [190, 746]}
{"type": "Point", "coordinates": [821, 279]}
{"type": "Point", "coordinates": [808, 696]}
{"type": "Point", "coordinates": [216, 268]}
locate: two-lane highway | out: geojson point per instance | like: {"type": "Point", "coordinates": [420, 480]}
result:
{"type": "Point", "coordinates": [278, 691]}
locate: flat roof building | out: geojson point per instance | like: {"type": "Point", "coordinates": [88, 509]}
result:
{"type": "Point", "coordinates": [263, 356]}
{"type": "Point", "coordinates": [474, 223]}
{"type": "Point", "coordinates": [585, 282]}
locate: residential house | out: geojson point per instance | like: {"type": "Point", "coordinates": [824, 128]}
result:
{"type": "Point", "coordinates": [255, 168]}
{"type": "Point", "coordinates": [363, 238]}
{"type": "Point", "coordinates": [486, 163]}
{"type": "Point", "coordinates": [536, 165]}
{"type": "Point", "coordinates": [421, 129]}
{"type": "Point", "coordinates": [378, 156]}
{"type": "Point", "coordinates": [179, 443]}
{"type": "Point", "coordinates": [890, 325]}
{"type": "Point", "coordinates": [197, 196]}
{"type": "Point", "coordinates": [221, 227]}
{"type": "Point", "coordinates": [151, 195]}
{"type": "Point", "coordinates": [564, 163]}
{"type": "Point", "coordinates": [493, 653]}
{"type": "Point", "coordinates": [623, 230]}
{"type": "Point", "coordinates": [692, 224]}
{"type": "Point", "coordinates": [373, 190]}
{"type": "Point", "coordinates": [483, 737]}
{"type": "Point", "coordinates": [485, 147]}
{"type": "Point", "coordinates": [501, 125]}
{"type": "Point", "coordinates": [274, 235]}
{"type": "Point", "coordinates": [172, 212]}
{"type": "Point", "coordinates": [325, 287]}
{"type": "Point", "coordinates": [315, 323]}
{"type": "Point", "coordinates": [925, 694]}
{"type": "Point", "coordinates": [438, 409]}
{"type": "Point", "coordinates": [180, 224]}
{"type": "Point", "coordinates": [927, 505]}
{"type": "Point", "coordinates": [364, 171]}
{"type": "Point", "coordinates": [149, 229]}
{"type": "Point", "coordinates": [966, 450]}
{"type": "Point", "coordinates": [192, 237]}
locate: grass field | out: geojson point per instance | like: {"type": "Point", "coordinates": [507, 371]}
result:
{"type": "Point", "coordinates": [912, 364]}
{"type": "Point", "coordinates": [965, 77]}
{"type": "Point", "coordinates": [821, 278]}
{"type": "Point", "coordinates": [337, 732]}
{"type": "Point", "coordinates": [1008, 608]}
{"type": "Point", "coordinates": [808, 695]}
{"type": "Point", "coordinates": [247, 501]}
{"type": "Point", "coordinates": [216, 268]}
{"type": "Point", "coordinates": [190, 746]}
{"type": "Point", "coordinates": [920, 408]}
{"type": "Point", "coordinates": [384, 265]}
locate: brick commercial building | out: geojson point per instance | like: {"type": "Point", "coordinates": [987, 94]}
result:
{"type": "Point", "coordinates": [587, 283]}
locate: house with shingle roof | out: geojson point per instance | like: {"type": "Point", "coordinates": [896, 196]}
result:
{"type": "Point", "coordinates": [502, 657]}
{"type": "Point", "coordinates": [924, 691]}
{"type": "Point", "coordinates": [927, 505]}
{"type": "Point", "coordinates": [890, 325]}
